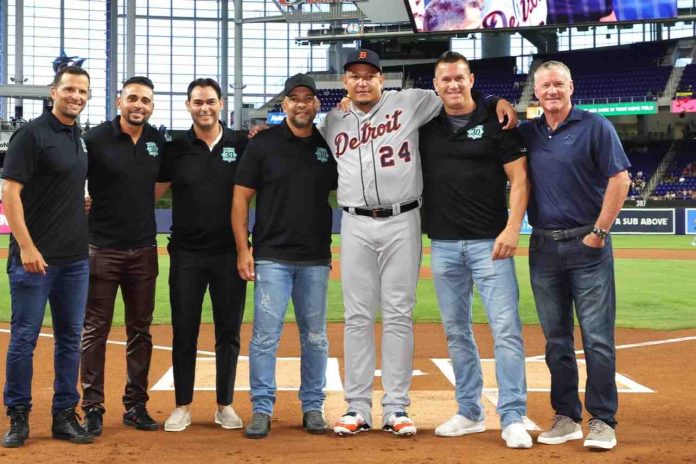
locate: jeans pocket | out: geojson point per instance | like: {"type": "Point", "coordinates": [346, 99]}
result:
{"type": "Point", "coordinates": [587, 247]}
{"type": "Point", "coordinates": [11, 263]}
{"type": "Point", "coordinates": [592, 252]}
{"type": "Point", "coordinates": [18, 275]}
{"type": "Point", "coordinates": [93, 261]}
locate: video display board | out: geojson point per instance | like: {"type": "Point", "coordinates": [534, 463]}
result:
{"type": "Point", "coordinates": [684, 105]}
{"type": "Point", "coordinates": [470, 15]}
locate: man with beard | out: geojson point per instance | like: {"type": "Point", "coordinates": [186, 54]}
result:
{"type": "Point", "coordinates": [290, 169]}
{"type": "Point", "coordinates": [124, 162]}
{"type": "Point", "coordinates": [200, 168]}
{"type": "Point", "coordinates": [43, 194]}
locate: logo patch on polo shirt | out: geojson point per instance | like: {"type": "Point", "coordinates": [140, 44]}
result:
{"type": "Point", "coordinates": [229, 154]}
{"type": "Point", "coordinates": [569, 139]}
{"type": "Point", "coordinates": [475, 132]}
{"type": "Point", "coordinates": [84, 145]}
{"type": "Point", "coordinates": [152, 149]}
{"type": "Point", "coordinates": [322, 154]}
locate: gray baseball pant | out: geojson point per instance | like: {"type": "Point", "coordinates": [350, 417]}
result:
{"type": "Point", "coordinates": [380, 264]}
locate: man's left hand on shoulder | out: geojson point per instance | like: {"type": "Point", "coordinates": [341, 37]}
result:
{"type": "Point", "coordinates": [503, 108]}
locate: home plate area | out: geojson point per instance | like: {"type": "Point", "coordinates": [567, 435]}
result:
{"type": "Point", "coordinates": [432, 393]}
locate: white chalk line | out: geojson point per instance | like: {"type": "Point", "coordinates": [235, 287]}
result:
{"type": "Point", "coordinates": [630, 345]}
{"type": "Point", "coordinates": [444, 365]}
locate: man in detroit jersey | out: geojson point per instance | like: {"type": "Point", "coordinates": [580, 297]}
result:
{"type": "Point", "coordinates": [379, 188]}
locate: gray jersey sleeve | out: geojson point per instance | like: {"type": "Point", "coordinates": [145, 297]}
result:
{"type": "Point", "coordinates": [427, 103]}
{"type": "Point", "coordinates": [321, 126]}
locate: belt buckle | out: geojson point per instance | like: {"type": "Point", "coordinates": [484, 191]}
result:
{"type": "Point", "coordinates": [557, 235]}
{"type": "Point", "coordinates": [380, 213]}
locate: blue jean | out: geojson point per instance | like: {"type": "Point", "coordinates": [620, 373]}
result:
{"type": "Point", "coordinates": [274, 285]}
{"type": "Point", "coordinates": [457, 265]}
{"type": "Point", "coordinates": [564, 274]}
{"type": "Point", "coordinates": [65, 287]}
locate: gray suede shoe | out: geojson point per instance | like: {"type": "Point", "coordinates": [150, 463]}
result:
{"type": "Point", "coordinates": [601, 436]}
{"type": "Point", "coordinates": [313, 422]}
{"type": "Point", "coordinates": [260, 425]}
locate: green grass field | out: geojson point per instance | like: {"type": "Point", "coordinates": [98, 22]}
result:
{"type": "Point", "coordinates": [655, 294]}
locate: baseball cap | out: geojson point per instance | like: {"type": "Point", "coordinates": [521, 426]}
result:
{"type": "Point", "coordinates": [299, 80]}
{"type": "Point", "coordinates": [363, 56]}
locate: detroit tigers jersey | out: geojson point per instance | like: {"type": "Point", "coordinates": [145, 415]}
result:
{"type": "Point", "coordinates": [377, 152]}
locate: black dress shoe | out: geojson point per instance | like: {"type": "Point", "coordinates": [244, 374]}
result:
{"type": "Point", "coordinates": [93, 421]}
{"type": "Point", "coordinates": [313, 422]}
{"type": "Point", "coordinates": [66, 427]}
{"type": "Point", "coordinates": [19, 427]}
{"type": "Point", "coordinates": [260, 425]}
{"type": "Point", "coordinates": [138, 417]}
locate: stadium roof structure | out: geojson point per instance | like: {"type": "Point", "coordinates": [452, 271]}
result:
{"type": "Point", "coordinates": [376, 11]}
{"type": "Point", "coordinates": [351, 20]}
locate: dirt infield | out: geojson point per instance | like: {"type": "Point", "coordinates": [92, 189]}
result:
{"type": "Point", "coordinates": [657, 427]}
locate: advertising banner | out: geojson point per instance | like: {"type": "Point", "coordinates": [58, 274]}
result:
{"type": "Point", "coordinates": [684, 105]}
{"type": "Point", "coordinates": [4, 227]}
{"type": "Point", "coordinates": [690, 221]}
{"type": "Point", "coordinates": [274, 118]}
{"type": "Point", "coordinates": [4, 140]}
{"type": "Point", "coordinates": [622, 109]}
{"type": "Point", "coordinates": [645, 221]}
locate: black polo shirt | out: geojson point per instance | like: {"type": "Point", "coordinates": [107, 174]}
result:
{"type": "Point", "coordinates": [50, 160]}
{"type": "Point", "coordinates": [202, 183]}
{"type": "Point", "coordinates": [122, 178]}
{"type": "Point", "coordinates": [292, 177]}
{"type": "Point", "coordinates": [464, 190]}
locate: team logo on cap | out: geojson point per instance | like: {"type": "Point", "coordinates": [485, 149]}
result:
{"type": "Point", "coordinates": [152, 149]}
{"type": "Point", "coordinates": [475, 132]}
{"type": "Point", "coordinates": [322, 155]}
{"type": "Point", "coordinates": [362, 55]}
{"type": "Point", "coordinates": [229, 154]}
{"type": "Point", "coordinates": [84, 145]}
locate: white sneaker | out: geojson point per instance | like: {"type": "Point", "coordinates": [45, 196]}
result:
{"type": "Point", "coordinates": [350, 423]}
{"type": "Point", "coordinates": [400, 424]}
{"type": "Point", "coordinates": [228, 418]}
{"type": "Point", "coordinates": [516, 436]}
{"type": "Point", "coordinates": [178, 420]}
{"type": "Point", "coordinates": [459, 425]}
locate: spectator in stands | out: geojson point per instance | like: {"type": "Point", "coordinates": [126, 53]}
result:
{"type": "Point", "coordinates": [570, 253]}
{"type": "Point", "coordinates": [43, 193]}
{"type": "Point", "coordinates": [200, 167]}
{"type": "Point", "coordinates": [123, 250]}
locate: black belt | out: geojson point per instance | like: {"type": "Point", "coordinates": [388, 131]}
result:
{"type": "Point", "coordinates": [565, 234]}
{"type": "Point", "coordinates": [383, 212]}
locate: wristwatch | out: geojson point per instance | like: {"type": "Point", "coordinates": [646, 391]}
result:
{"type": "Point", "coordinates": [601, 233]}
